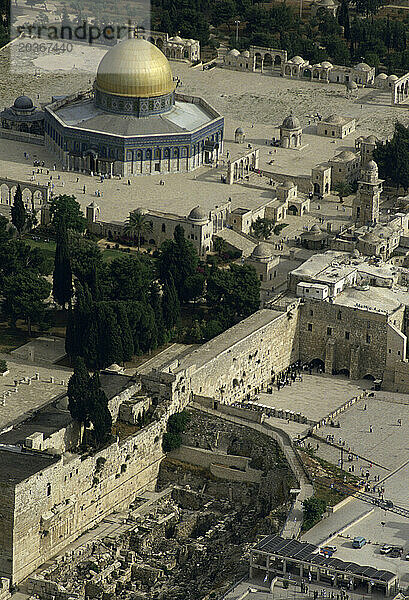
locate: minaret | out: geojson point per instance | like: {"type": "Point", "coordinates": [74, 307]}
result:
{"type": "Point", "coordinates": [365, 209]}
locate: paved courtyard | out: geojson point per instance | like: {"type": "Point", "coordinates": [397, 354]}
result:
{"type": "Point", "coordinates": [257, 102]}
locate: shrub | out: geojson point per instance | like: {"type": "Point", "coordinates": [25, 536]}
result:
{"type": "Point", "coordinates": [3, 366]}
{"type": "Point", "coordinates": [171, 441]}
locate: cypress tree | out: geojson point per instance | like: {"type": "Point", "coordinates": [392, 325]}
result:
{"type": "Point", "coordinates": [78, 392]}
{"type": "Point", "coordinates": [100, 414]}
{"type": "Point", "coordinates": [109, 349]}
{"type": "Point", "coordinates": [171, 305]}
{"type": "Point", "coordinates": [18, 211]}
{"type": "Point", "coordinates": [156, 304]}
{"type": "Point", "coordinates": [125, 331]}
{"type": "Point", "coordinates": [79, 320]}
{"type": "Point", "coordinates": [62, 275]}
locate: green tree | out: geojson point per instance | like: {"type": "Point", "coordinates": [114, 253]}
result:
{"type": "Point", "coordinates": [62, 275]}
{"type": "Point", "coordinates": [343, 18]}
{"type": "Point", "coordinates": [124, 331]}
{"type": "Point", "coordinates": [343, 190]}
{"type": "Point", "coordinates": [77, 342]}
{"type": "Point", "coordinates": [137, 225]}
{"type": "Point", "coordinates": [219, 245]}
{"type": "Point", "coordinates": [178, 260]}
{"type": "Point", "coordinates": [233, 293]}
{"type": "Point", "coordinates": [100, 415]}
{"type": "Point", "coordinates": [66, 208]}
{"type": "Point", "coordinates": [88, 265]}
{"type": "Point", "coordinates": [78, 393]}
{"type": "Point", "coordinates": [262, 228]}
{"type": "Point", "coordinates": [212, 329]}
{"type": "Point", "coordinates": [18, 211]}
{"type": "Point", "coordinates": [313, 509]}
{"type": "Point", "coordinates": [392, 157]}
{"type": "Point", "coordinates": [109, 345]}
{"type": "Point", "coordinates": [24, 296]}
{"type": "Point", "coordinates": [171, 305]}
{"type": "Point", "coordinates": [194, 286]}
{"type": "Point", "coordinates": [155, 300]}
{"type": "Point", "coordinates": [130, 277]}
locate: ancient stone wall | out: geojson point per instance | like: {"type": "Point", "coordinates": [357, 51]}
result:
{"type": "Point", "coordinates": [344, 338]}
{"type": "Point", "coordinates": [56, 505]}
{"type": "Point", "coordinates": [248, 365]}
{"type": "Point", "coordinates": [6, 526]}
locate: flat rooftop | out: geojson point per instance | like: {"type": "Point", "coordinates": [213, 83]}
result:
{"type": "Point", "coordinates": [228, 339]}
{"type": "Point", "coordinates": [29, 398]}
{"type": "Point", "coordinates": [18, 466]}
{"type": "Point", "coordinates": [375, 299]}
{"type": "Point", "coordinates": [183, 117]}
{"type": "Point", "coordinates": [317, 265]}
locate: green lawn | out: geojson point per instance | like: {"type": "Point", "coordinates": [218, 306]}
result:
{"type": "Point", "coordinates": [49, 249]}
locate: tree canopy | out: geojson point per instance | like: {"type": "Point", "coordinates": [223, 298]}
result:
{"type": "Point", "coordinates": [392, 157]}
{"type": "Point", "coordinates": [66, 208]}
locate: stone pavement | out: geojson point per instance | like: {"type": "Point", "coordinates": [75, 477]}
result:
{"type": "Point", "coordinates": [315, 396]}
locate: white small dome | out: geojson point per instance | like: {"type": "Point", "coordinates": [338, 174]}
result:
{"type": "Point", "coordinates": [392, 78]}
{"type": "Point", "coordinates": [363, 67]}
{"type": "Point", "coordinates": [381, 77]}
{"type": "Point", "coordinates": [233, 52]}
{"type": "Point", "coordinates": [298, 60]}
{"type": "Point", "coordinates": [326, 64]}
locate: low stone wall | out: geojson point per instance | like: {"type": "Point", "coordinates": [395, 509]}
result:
{"type": "Point", "coordinates": [243, 413]}
{"type": "Point", "coordinates": [205, 458]}
{"type": "Point", "coordinates": [303, 182]}
{"type": "Point", "coordinates": [330, 417]}
{"type": "Point", "coordinates": [250, 476]}
{"type": "Point", "coordinates": [22, 136]}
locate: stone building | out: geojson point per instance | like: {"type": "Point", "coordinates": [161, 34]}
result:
{"type": "Point", "coordinates": [22, 120]}
{"type": "Point", "coordinates": [345, 167]}
{"type": "Point", "coordinates": [199, 226]}
{"type": "Point", "coordinates": [365, 210]}
{"type": "Point", "coordinates": [174, 48]}
{"type": "Point", "coordinates": [328, 6]}
{"type": "Point", "coordinates": [133, 122]}
{"type": "Point", "coordinates": [314, 238]}
{"type": "Point", "coordinates": [265, 263]}
{"type": "Point", "coordinates": [291, 133]}
{"type": "Point", "coordinates": [366, 146]}
{"type": "Point", "coordinates": [256, 59]}
{"type": "Point", "coordinates": [335, 126]}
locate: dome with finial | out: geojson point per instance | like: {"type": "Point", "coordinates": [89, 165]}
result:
{"type": "Point", "coordinates": [262, 251]}
{"type": "Point", "coordinates": [291, 122]}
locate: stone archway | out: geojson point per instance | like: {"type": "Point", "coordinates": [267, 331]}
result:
{"type": "Point", "coordinates": [258, 62]}
{"type": "Point", "coordinates": [277, 60]}
{"type": "Point", "coordinates": [317, 363]}
{"type": "Point", "coordinates": [293, 210]}
{"type": "Point", "coordinates": [267, 62]}
{"type": "Point", "coordinates": [369, 377]}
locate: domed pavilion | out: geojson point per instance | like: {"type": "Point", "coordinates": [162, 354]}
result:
{"type": "Point", "coordinates": [133, 122]}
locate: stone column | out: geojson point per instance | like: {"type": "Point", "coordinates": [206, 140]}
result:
{"type": "Point", "coordinates": [329, 356]}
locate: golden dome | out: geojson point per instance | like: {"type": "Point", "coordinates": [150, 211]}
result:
{"type": "Point", "coordinates": [135, 68]}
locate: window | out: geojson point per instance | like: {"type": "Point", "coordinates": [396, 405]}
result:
{"type": "Point", "coordinates": [311, 313]}
{"type": "Point", "coordinates": [309, 326]}
{"type": "Point", "coordinates": [339, 315]}
{"type": "Point", "coordinates": [48, 489]}
{"type": "Point", "coordinates": [368, 338]}
{"type": "Point", "coordinates": [261, 277]}
{"type": "Point", "coordinates": [347, 335]}
{"type": "Point", "coordinates": [163, 227]}
{"type": "Point", "coordinates": [329, 330]}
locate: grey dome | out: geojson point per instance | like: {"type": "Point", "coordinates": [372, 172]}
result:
{"type": "Point", "coordinates": [198, 214]}
{"type": "Point", "coordinates": [372, 166]}
{"type": "Point", "coordinates": [23, 103]}
{"type": "Point", "coordinates": [291, 122]}
{"type": "Point", "coordinates": [351, 85]}
{"type": "Point", "coordinates": [335, 119]}
{"type": "Point", "coordinates": [239, 130]}
{"type": "Point", "coordinates": [261, 251]}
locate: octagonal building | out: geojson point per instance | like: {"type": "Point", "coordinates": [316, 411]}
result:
{"type": "Point", "coordinates": [133, 122]}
